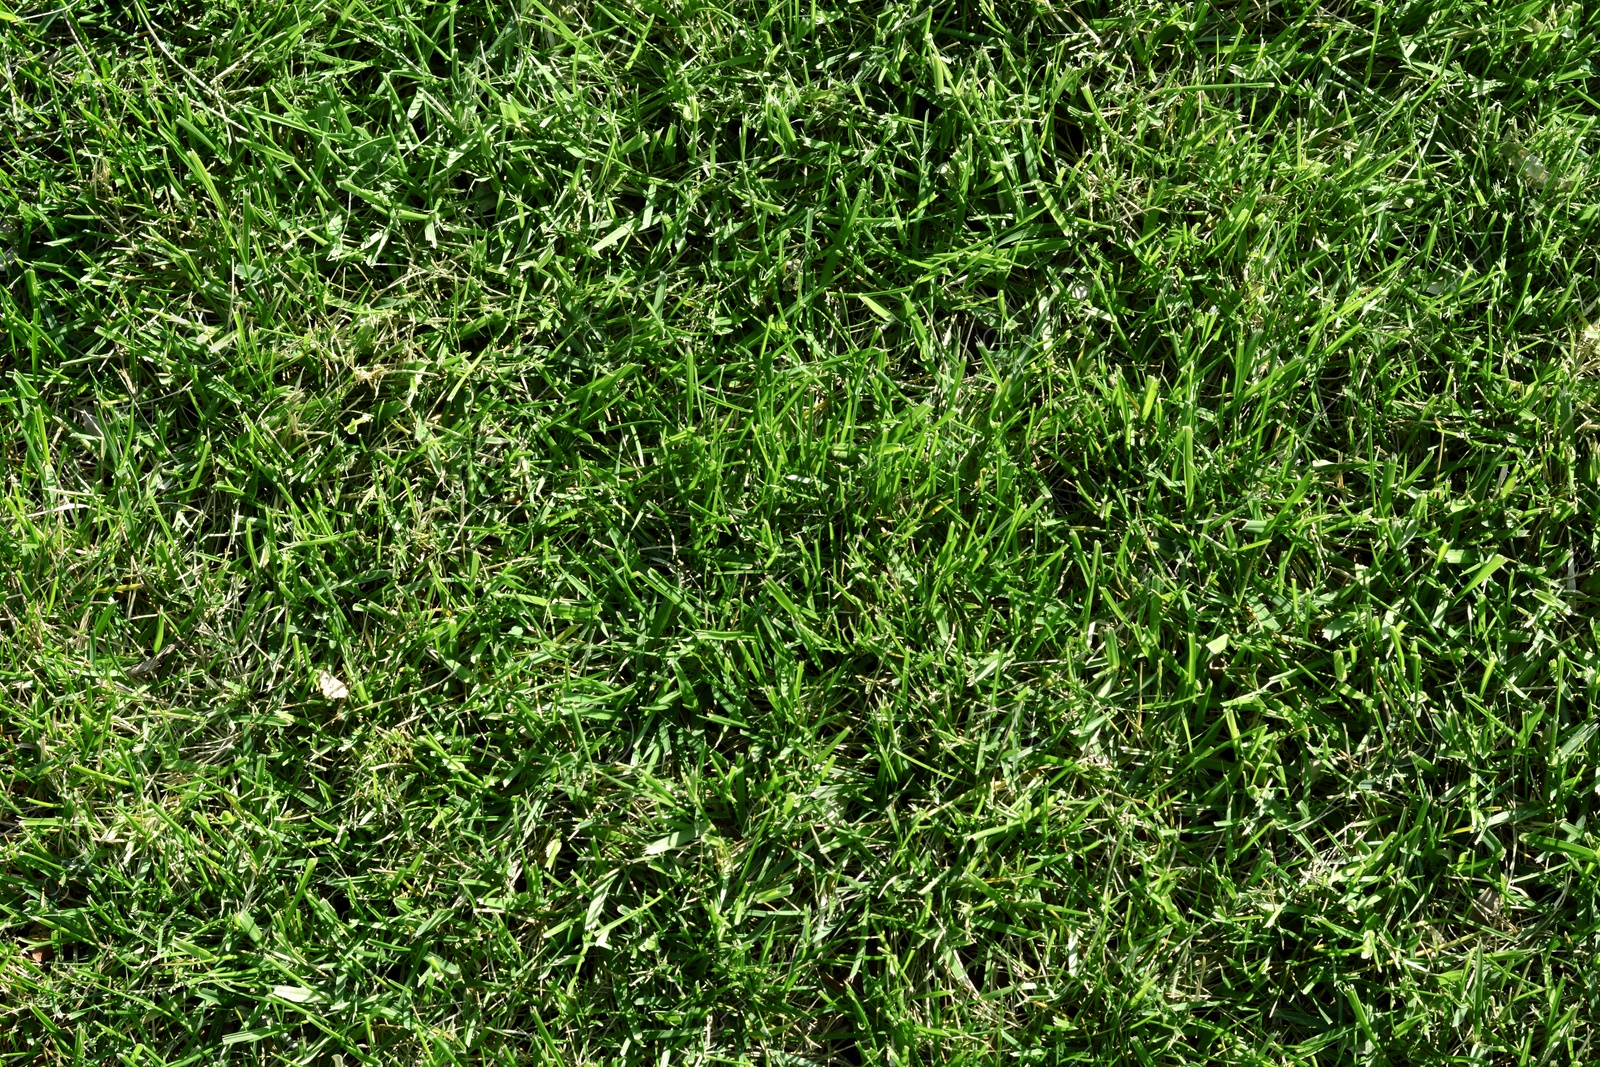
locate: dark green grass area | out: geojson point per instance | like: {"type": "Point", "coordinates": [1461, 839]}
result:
{"type": "Point", "coordinates": [836, 532]}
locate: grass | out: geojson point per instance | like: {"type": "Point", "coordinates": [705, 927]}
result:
{"type": "Point", "coordinates": [848, 532]}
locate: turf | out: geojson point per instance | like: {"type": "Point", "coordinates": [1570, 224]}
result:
{"type": "Point", "coordinates": [798, 532]}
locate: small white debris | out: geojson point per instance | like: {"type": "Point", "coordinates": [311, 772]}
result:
{"type": "Point", "coordinates": [1535, 173]}
{"type": "Point", "coordinates": [332, 687]}
{"type": "Point", "coordinates": [1533, 169]}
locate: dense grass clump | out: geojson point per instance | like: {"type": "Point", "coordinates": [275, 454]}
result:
{"type": "Point", "coordinates": [799, 531]}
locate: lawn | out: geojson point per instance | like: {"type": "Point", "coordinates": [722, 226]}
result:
{"type": "Point", "coordinates": [799, 532]}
